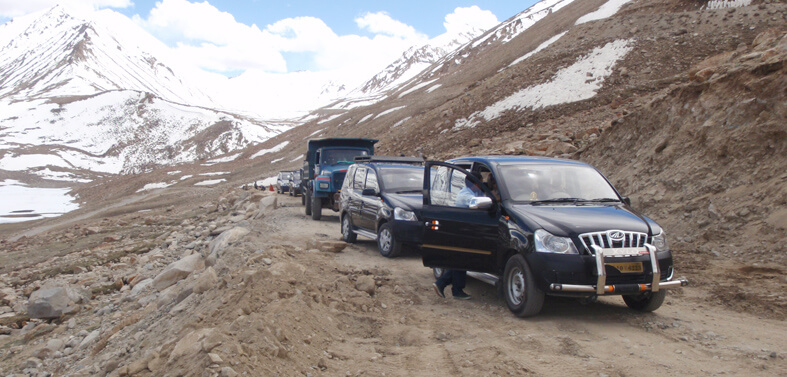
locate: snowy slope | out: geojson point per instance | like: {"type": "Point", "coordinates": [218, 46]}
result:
{"type": "Point", "coordinates": [54, 53]}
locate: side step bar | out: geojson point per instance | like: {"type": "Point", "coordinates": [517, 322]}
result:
{"type": "Point", "coordinates": [365, 233]}
{"type": "Point", "coordinates": [486, 278]}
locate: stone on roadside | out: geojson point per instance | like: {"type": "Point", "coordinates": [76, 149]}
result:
{"type": "Point", "coordinates": [177, 271]}
{"type": "Point", "coordinates": [206, 280]}
{"type": "Point", "coordinates": [366, 284]}
{"type": "Point", "coordinates": [266, 206]}
{"type": "Point", "coordinates": [217, 246]}
{"type": "Point", "coordinates": [55, 302]}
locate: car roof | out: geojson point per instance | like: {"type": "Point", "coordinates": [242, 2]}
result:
{"type": "Point", "coordinates": [514, 160]}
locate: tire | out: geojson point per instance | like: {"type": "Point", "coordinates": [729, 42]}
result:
{"type": "Point", "coordinates": [316, 208]}
{"type": "Point", "coordinates": [645, 302]}
{"type": "Point", "coordinates": [347, 230]}
{"type": "Point", "coordinates": [519, 288]}
{"type": "Point", "coordinates": [307, 201]}
{"type": "Point", "coordinates": [278, 190]}
{"type": "Point", "coordinates": [437, 272]}
{"type": "Point", "coordinates": [303, 198]}
{"type": "Point", "coordinates": [388, 245]}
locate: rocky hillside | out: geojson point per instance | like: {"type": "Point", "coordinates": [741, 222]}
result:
{"type": "Point", "coordinates": [681, 103]}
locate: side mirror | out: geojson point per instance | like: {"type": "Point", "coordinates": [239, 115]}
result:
{"type": "Point", "coordinates": [481, 202]}
{"type": "Point", "coordinates": [627, 200]}
{"type": "Point", "coordinates": [369, 192]}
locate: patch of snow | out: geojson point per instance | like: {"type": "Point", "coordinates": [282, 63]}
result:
{"type": "Point", "coordinates": [507, 31]}
{"type": "Point", "coordinates": [277, 160]}
{"type": "Point", "coordinates": [22, 203]}
{"type": "Point", "coordinates": [153, 186]}
{"type": "Point", "coordinates": [229, 158]}
{"type": "Point", "coordinates": [299, 158]}
{"type": "Point", "coordinates": [433, 88]}
{"type": "Point", "coordinates": [215, 173]}
{"type": "Point", "coordinates": [416, 87]}
{"type": "Point", "coordinates": [401, 122]}
{"type": "Point", "coordinates": [210, 182]}
{"type": "Point", "coordinates": [389, 111]}
{"type": "Point", "coordinates": [605, 11]}
{"type": "Point", "coordinates": [539, 48]}
{"type": "Point", "coordinates": [60, 176]}
{"type": "Point", "coordinates": [270, 150]}
{"type": "Point", "coordinates": [185, 177]}
{"type": "Point", "coordinates": [330, 118]}
{"type": "Point", "coordinates": [174, 172]}
{"type": "Point", "coordinates": [364, 119]}
{"type": "Point", "coordinates": [723, 4]}
{"type": "Point", "coordinates": [23, 162]}
{"type": "Point", "coordinates": [574, 83]}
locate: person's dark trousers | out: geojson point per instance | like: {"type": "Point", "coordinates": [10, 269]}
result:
{"type": "Point", "coordinates": [455, 278]}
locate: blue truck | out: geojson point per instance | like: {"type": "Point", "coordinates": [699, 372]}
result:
{"type": "Point", "coordinates": [324, 169]}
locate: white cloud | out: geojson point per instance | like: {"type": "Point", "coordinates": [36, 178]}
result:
{"type": "Point", "coordinates": [470, 18]}
{"type": "Point", "coordinates": [13, 8]}
{"type": "Point", "coordinates": [382, 23]}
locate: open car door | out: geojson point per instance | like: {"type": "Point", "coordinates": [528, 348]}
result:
{"type": "Point", "coordinates": [455, 235]}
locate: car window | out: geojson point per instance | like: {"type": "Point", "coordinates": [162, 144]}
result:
{"type": "Point", "coordinates": [359, 179]}
{"type": "Point", "coordinates": [402, 179]}
{"type": "Point", "coordinates": [448, 187]}
{"type": "Point", "coordinates": [371, 180]}
{"type": "Point", "coordinates": [348, 179]}
{"type": "Point", "coordinates": [531, 183]}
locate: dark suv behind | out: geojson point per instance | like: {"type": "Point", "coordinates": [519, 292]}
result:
{"type": "Point", "coordinates": [381, 199]}
{"type": "Point", "coordinates": [538, 226]}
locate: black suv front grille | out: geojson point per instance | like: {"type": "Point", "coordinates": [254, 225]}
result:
{"type": "Point", "coordinates": [603, 240]}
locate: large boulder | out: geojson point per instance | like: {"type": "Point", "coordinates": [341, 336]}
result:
{"type": "Point", "coordinates": [267, 205]}
{"type": "Point", "coordinates": [55, 302]}
{"type": "Point", "coordinates": [177, 271]}
{"type": "Point", "coordinates": [217, 246]}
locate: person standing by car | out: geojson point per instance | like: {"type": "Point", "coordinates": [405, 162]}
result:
{"type": "Point", "coordinates": [458, 278]}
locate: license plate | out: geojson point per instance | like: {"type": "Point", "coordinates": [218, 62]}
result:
{"type": "Point", "coordinates": [628, 268]}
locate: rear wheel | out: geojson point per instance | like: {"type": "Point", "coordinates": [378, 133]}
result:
{"type": "Point", "coordinates": [316, 208]}
{"type": "Point", "coordinates": [307, 200]}
{"type": "Point", "coordinates": [645, 302]}
{"type": "Point", "coordinates": [519, 288]}
{"type": "Point", "coordinates": [389, 247]}
{"type": "Point", "coordinates": [347, 230]}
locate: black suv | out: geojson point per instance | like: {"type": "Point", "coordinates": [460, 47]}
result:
{"type": "Point", "coordinates": [381, 199]}
{"type": "Point", "coordinates": [537, 226]}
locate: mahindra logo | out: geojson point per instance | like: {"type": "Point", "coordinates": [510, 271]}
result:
{"type": "Point", "coordinates": [616, 235]}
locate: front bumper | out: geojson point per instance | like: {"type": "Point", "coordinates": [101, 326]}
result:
{"type": "Point", "coordinates": [601, 287]}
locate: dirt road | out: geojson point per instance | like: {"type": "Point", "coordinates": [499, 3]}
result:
{"type": "Point", "coordinates": [426, 335]}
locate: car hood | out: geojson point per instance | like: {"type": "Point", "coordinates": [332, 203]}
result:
{"type": "Point", "coordinates": [413, 202]}
{"type": "Point", "coordinates": [570, 220]}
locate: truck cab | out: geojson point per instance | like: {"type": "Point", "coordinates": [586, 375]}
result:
{"type": "Point", "coordinates": [324, 169]}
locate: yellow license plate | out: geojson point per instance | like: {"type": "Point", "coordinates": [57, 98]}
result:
{"type": "Point", "coordinates": [628, 268]}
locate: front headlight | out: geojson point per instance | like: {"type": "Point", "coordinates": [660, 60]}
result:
{"type": "Point", "coordinates": [660, 241]}
{"type": "Point", "coordinates": [548, 243]}
{"type": "Point", "coordinates": [324, 185]}
{"type": "Point", "coordinates": [403, 214]}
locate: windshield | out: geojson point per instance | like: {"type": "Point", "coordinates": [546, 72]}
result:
{"type": "Point", "coordinates": [536, 183]}
{"type": "Point", "coordinates": [296, 175]}
{"type": "Point", "coordinates": [285, 176]}
{"type": "Point", "coordinates": [403, 179]}
{"type": "Point", "coordinates": [341, 156]}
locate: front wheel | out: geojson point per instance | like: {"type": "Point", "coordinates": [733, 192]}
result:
{"type": "Point", "coordinates": [307, 200]}
{"type": "Point", "coordinates": [519, 288]}
{"type": "Point", "coordinates": [347, 230]}
{"type": "Point", "coordinates": [645, 302]}
{"type": "Point", "coordinates": [316, 207]}
{"type": "Point", "coordinates": [388, 245]}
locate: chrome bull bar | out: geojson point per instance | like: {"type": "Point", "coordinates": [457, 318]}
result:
{"type": "Point", "coordinates": [601, 286]}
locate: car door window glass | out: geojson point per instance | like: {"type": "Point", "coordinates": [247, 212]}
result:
{"type": "Point", "coordinates": [360, 178]}
{"type": "Point", "coordinates": [446, 185]}
{"type": "Point", "coordinates": [348, 179]}
{"type": "Point", "coordinates": [371, 181]}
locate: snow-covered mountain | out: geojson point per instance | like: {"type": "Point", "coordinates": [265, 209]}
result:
{"type": "Point", "coordinates": [96, 94]}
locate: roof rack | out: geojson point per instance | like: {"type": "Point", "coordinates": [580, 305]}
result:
{"type": "Point", "coordinates": [391, 159]}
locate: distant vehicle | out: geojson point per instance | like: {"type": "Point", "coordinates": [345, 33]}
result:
{"type": "Point", "coordinates": [283, 182]}
{"type": "Point", "coordinates": [324, 170]}
{"type": "Point", "coordinates": [552, 227]}
{"type": "Point", "coordinates": [381, 199]}
{"type": "Point", "coordinates": [295, 183]}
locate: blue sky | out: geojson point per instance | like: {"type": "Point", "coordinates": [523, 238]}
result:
{"type": "Point", "coordinates": [279, 37]}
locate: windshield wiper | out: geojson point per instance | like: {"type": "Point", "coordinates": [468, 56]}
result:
{"type": "Point", "coordinates": [556, 200]}
{"type": "Point", "coordinates": [410, 191]}
{"type": "Point", "coordinates": [602, 200]}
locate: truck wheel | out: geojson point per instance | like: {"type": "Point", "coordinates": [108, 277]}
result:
{"type": "Point", "coordinates": [645, 302]}
{"type": "Point", "coordinates": [307, 201]}
{"type": "Point", "coordinates": [519, 288]}
{"type": "Point", "coordinates": [303, 198]}
{"type": "Point", "coordinates": [347, 230]}
{"type": "Point", "coordinates": [388, 245]}
{"type": "Point", "coordinates": [316, 207]}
